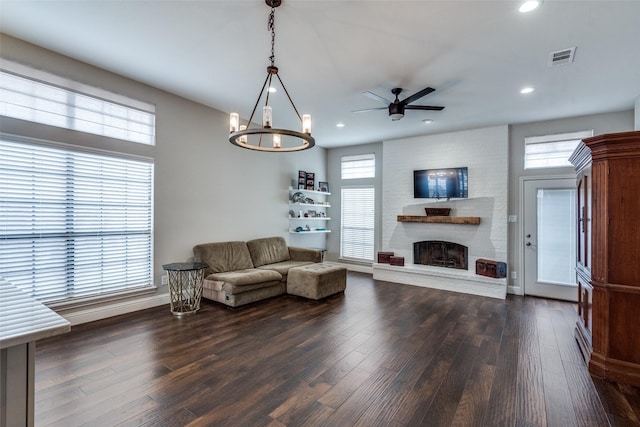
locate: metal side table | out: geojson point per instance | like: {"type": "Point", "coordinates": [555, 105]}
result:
{"type": "Point", "coordinates": [185, 286]}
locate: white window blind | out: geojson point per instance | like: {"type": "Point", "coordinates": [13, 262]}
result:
{"type": "Point", "coordinates": [73, 224]}
{"type": "Point", "coordinates": [361, 166]}
{"type": "Point", "coordinates": [550, 151]}
{"type": "Point", "coordinates": [357, 223]}
{"type": "Point", "coordinates": [29, 99]}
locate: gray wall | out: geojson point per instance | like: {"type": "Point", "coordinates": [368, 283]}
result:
{"type": "Point", "coordinates": [205, 188]}
{"type": "Point", "coordinates": [600, 123]}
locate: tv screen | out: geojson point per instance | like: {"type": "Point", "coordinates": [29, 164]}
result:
{"type": "Point", "coordinates": [440, 183]}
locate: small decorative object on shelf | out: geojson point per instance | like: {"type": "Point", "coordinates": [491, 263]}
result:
{"type": "Point", "coordinates": [489, 268]}
{"type": "Point", "coordinates": [384, 257]}
{"type": "Point", "coordinates": [437, 211]}
{"type": "Point", "coordinates": [298, 197]}
{"type": "Point", "coordinates": [397, 260]}
{"type": "Point", "coordinates": [323, 187]}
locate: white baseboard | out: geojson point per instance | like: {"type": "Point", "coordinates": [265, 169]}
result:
{"type": "Point", "coordinates": [514, 290]}
{"type": "Point", "coordinates": [84, 315]}
{"type": "Point", "coordinates": [355, 267]}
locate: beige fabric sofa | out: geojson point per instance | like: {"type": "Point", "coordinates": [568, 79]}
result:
{"type": "Point", "coordinates": [244, 272]}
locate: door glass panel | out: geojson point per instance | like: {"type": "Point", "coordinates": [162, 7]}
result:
{"type": "Point", "coordinates": [556, 236]}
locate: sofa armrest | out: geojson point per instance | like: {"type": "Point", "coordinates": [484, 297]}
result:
{"type": "Point", "coordinates": [305, 254]}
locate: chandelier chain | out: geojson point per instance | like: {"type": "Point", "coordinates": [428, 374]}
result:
{"type": "Point", "coordinates": [271, 26]}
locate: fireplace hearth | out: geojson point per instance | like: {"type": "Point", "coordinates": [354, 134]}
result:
{"type": "Point", "coordinates": [438, 253]}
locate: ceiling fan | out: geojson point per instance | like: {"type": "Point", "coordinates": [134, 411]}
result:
{"type": "Point", "coordinates": [397, 107]}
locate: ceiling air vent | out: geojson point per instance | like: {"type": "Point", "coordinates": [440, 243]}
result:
{"type": "Point", "coordinates": [561, 57]}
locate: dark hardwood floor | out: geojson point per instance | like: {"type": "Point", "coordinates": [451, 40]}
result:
{"type": "Point", "coordinates": [381, 355]}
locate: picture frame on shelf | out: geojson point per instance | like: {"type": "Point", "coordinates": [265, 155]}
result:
{"type": "Point", "coordinates": [312, 214]}
{"type": "Point", "coordinates": [302, 186]}
{"type": "Point", "coordinates": [323, 186]}
{"type": "Point", "coordinates": [302, 174]}
{"type": "Point", "coordinates": [311, 180]}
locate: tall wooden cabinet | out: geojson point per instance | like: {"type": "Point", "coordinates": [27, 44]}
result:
{"type": "Point", "coordinates": [608, 264]}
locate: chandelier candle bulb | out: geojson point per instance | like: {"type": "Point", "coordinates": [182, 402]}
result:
{"type": "Point", "coordinates": [266, 116]}
{"type": "Point", "coordinates": [234, 120]}
{"type": "Point", "coordinates": [276, 141]}
{"type": "Point", "coordinates": [306, 124]}
{"type": "Point", "coordinates": [243, 138]}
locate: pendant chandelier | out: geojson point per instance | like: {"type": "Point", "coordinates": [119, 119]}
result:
{"type": "Point", "coordinates": [268, 138]}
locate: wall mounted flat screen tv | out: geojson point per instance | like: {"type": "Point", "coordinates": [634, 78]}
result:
{"type": "Point", "coordinates": [448, 183]}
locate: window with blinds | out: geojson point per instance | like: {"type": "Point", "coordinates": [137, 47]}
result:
{"type": "Point", "coordinates": [357, 223]}
{"type": "Point", "coordinates": [29, 99]}
{"type": "Point", "coordinates": [361, 166]}
{"type": "Point", "coordinates": [550, 151]}
{"type": "Point", "coordinates": [74, 224]}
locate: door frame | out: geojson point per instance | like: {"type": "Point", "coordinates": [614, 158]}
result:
{"type": "Point", "coordinates": [523, 179]}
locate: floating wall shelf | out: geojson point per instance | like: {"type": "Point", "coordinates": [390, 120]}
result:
{"type": "Point", "coordinates": [472, 220]}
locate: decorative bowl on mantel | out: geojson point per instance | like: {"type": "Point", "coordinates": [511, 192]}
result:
{"type": "Point", "coordinates": [437, 211]}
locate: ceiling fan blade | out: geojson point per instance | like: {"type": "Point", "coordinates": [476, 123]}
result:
{"type": "Point", "coordinates": [376, 97]}
{"type": "Point", "coordinates": [369, 109]}
{"type": "Point", "coordinates": [423, 107]}
{"type": "Point", "coordinates": [417, 95]}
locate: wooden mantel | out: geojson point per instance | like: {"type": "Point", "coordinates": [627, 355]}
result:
{"type": "Point", "coordinates": [473, 220]}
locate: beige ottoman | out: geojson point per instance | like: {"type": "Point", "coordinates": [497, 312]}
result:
{"type": "Point", "coordinates": [316, 281]}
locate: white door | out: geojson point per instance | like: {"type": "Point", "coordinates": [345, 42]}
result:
{"type": "Point", "coordinates": [549, 238]}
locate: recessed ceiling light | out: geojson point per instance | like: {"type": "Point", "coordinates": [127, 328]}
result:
{"type": "Point", "coordinates": [427, 121]}
{"type": "Point", "coordinates": [527, 90]}
{"type": "Point", "coordinates": [272, 89]}
{"type": "Point", "coordinates": [340, 125]}
{"type": "Point", "coordinates": [528, 6]}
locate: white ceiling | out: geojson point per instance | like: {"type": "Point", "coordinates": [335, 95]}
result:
{"type": "Point", "coordinates": [476, 54]}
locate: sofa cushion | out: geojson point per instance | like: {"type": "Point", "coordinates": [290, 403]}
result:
{"type": "Point", "coordinates": [284, 267]}
{"type": "Point", "coordinates": [218, 289]}
{"type": "Point", "coordinates": [223, 256]}
{"type": "Point", "coordinates": [252, 276]}
{"type": "Point", "coordinates": [268, 250]}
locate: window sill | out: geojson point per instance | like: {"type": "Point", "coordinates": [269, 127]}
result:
{"type": "Point", "coordinates": [101, 299]}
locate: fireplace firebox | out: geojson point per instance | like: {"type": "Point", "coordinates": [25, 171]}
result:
{"type": "Point", "coordinates": [440, 254]}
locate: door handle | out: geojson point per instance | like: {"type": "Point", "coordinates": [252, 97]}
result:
{"type": "Point", "coordinates": [528, 243]}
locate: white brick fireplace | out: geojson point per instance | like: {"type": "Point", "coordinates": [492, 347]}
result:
{"type": "Point", "coordinates": [485, 153]}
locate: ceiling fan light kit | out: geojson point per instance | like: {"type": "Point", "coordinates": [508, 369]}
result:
{"type": "Point", "coordinates": [252, 138]}
{"type": "Point", "coordinates": [397, 107]}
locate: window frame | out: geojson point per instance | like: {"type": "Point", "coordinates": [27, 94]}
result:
{"type": "Point", "coordinates": [360, 166]}
{"type": "Point", "coordinates": [42, 97]}
{"type": "Point", "coordinates": [547, 141]}
{"type": "Point", "coordinates": [106, 235]}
